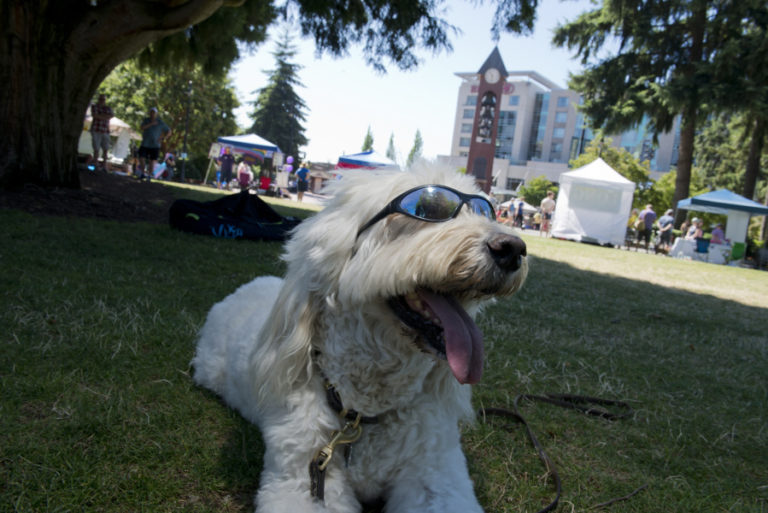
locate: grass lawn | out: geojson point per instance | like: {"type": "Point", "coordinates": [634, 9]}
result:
{"type": "Point", "coordinates": [98, 412]}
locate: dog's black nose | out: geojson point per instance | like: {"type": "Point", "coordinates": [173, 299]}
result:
{"type": "Point", "coordinates": [507, 251]}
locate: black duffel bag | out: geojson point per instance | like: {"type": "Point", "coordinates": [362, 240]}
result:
{"type": "Point", "coordinates": [236, 216]}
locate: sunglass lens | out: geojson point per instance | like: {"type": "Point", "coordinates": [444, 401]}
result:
{"type": "Point", "coordinates": [431, 203]}
{"type": "Point", "coordinates": [481, 207]}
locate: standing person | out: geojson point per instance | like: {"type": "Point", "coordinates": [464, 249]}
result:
{"type": "Point", "coordinates": [519, 211]}
{"type": "Point", "coordinates": [153, 130]}
{"type": "Point", "coordinates": [648, 217]}
{"type": "Point", "coordinates": [547, 208]}
{"type": "Point", "coordinates": [302, 183]}
{"type": "Point", "coordinates": [227, 162]}
{"type": "Point", "coordinates": [101, 113]}
{"type": "Point", "coordinates": [666, 223]}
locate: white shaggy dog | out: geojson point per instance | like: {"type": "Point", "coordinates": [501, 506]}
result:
{"type": "Point", "coordinates": [369, 340]}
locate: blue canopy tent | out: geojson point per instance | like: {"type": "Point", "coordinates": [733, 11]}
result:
{"type": "Point", "coordinates": [722, 201]}
{"type": "Point", "coordinates": [251, 146]}
{"type": "Point", "coordinates": [254, 149]}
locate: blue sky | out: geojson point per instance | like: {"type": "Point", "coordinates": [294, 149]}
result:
{"type": "Point", "coordinates": [345, 97]}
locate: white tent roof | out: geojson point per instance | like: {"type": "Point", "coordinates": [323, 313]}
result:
{"type": "Point", "coordinates": [593, 204]}
{"type": "Point", "coordinates": [597, 171]}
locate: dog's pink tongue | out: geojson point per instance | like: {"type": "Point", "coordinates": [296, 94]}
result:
{"type": "Point", "coordinates": [463, 339]}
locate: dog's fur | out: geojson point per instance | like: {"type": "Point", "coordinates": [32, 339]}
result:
{"type": "Point", "coordinates": [268, 348]}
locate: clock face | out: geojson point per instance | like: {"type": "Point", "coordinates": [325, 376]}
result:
{"type": "Point", "coordinates": [492, 76]}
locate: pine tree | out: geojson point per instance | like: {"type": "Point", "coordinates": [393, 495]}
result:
{"type": "Point", "coordinates": [660, 68]}
{"type": "Point", "coordinates": [391, 153]}
{"type": "Point", "coordinates": [278, 110]}
{"type": "Point", "coordinates": [368, 141]}
{"type": "Point", "coordinates": [415, 152]}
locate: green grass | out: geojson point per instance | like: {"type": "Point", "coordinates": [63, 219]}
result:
{"type": "Point", "coordinates": [98, 411]}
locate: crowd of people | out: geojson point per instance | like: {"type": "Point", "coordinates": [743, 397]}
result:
{"type": "Point", "coordinates": [541, 219]}
{"type": "Point", "coordinates": [643, 228]}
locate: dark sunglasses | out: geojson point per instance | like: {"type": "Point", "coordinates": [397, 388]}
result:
{"type": "Point", "coordinates": [433, 204]}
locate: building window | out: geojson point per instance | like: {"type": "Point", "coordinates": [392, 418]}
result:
{"type": "Point", "coordinates": [538, 126]}
{"type": "Point", "coordinates": [464, 141]}
{"type": "Point", "coordinates": [469, 114]}
{"type": "Point", "coordinates": [556, 152]}
{"type": "Point", "coordinates": [514, 183]}
{"type": "Point", "coordinates": [561, 117]}
{"type": "Point", "coordinates": [558, 133]}
{"type": "Point", "coordinates": [562, 102]}
{"type": "Point", "coordinates": [506, 134]}
{"type": "Point", "coordinates": [466, 128]}
{"type": "Point", "coordinates": [471, 100]}
{"type": "Point", "coordinates": [514, 100]}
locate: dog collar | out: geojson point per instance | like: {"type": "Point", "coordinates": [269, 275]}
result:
{"type": "Point", "coordinates": [334, 401]}
{"type": "Point", "coordinates": [346, 436]}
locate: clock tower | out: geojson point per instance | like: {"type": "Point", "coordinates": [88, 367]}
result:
{"type": "Point", "coordinates": [482, 147]}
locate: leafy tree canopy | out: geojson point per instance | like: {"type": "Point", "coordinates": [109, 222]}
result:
{"type": "Point", "coordinates": [54, 87]}
{"type": "Point", "coordinates": [627, 166]}
{"type": "Point", "coordinates": [131, 91]}
{"type": "Point", "coordinates": [536, 189]}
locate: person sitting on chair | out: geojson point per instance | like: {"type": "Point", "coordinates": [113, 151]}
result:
{"type": "Point", "coordinates": [718, 237]}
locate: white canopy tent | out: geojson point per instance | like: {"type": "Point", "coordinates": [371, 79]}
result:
{"type": "Point", "coordinates": [593, 204]}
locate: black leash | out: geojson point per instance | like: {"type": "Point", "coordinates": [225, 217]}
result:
{"type": "Point", "coordinates": [589, 405]}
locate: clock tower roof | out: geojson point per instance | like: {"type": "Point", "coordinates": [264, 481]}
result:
{"type": "Point", "coordinates": [494, 61]}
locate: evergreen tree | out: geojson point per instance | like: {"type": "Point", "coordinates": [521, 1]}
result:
{"type": "Point", "coordinates": [368, 141]}
{"type": "Point", "coordinates": [661, 68]}
{"type": "Point", "coordinates": [278, 110]}
{"type": "Point", "coordinates": [415, 152]}
{"type": "Point", "coordinates": [721, 151]}
{"type": "Point", "coordinates": [742, 65]}
{"type": "Point", "coordinates": [54, 55]}
{"type": "Point", "coordinates": [391, 153]}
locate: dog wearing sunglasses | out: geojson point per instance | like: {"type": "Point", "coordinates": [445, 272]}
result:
{"type": "Point", "coordinates": [357, 365]}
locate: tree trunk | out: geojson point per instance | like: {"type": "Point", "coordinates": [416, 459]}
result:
{"type": "Point", "coordinates": [684, 161]}
{"type": "Point", "coordinates": [690, 114]}
{"type": "Point", "coordinates": [753, 159]}
{"type": "Point", "coordinates": [53, 56]}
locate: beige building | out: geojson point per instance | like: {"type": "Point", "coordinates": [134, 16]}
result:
{"type": "Point", "coordinates": [540, 130]}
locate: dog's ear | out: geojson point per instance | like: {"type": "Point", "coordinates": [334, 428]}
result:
{"type": "Point", "coordinates": [283, 359]}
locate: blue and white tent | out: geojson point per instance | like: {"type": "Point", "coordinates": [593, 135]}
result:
{"type": "Point", "coordinates": [722, 201]}
{"type": "Point", "coordinates": [366, 160]}
{"type": "Point", "coordinates": [251, 146]}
